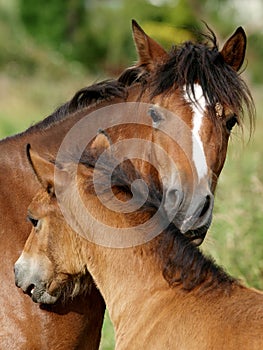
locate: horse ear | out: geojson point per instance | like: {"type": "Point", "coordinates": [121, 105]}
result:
{"type": "Point", "coordinates": [43, 169]}
{"type": "Point", "coordinates": [149, 51]}
{"type": "Point", "coordinates": [234, 49]}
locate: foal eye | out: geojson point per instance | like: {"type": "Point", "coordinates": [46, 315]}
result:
{"type": "Point", "coordinates": [231, 122]}
{"type": "Point", "coordinates": [33, 221]}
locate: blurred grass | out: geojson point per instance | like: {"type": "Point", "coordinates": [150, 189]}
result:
{"type": "Point", "coordinates": [107, 342]}
{"type": "Point", "coordinates": [25, 100]}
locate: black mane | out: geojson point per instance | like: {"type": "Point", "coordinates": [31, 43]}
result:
{"type": "Point", "coordinates": [190, 63]}
{"type": "Point", "coordinates": [135, 74]}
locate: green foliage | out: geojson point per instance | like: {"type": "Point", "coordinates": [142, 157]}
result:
{"type": "Point", "coordinates": [256, 57]}
{"type": "Point", "coordinates": [108, 339]}
{"type": "Point", "coordinates": [97, 35]}
{"type": "Point", "coordinates": [95, 32]}
{"type": "Point", "coordinates": [166, 34]}
{"type": "Point", "coordinates": [53, 22]}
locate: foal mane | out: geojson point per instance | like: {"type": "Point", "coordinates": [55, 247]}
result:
{"type": "Point", "coordinates": [184, 264]}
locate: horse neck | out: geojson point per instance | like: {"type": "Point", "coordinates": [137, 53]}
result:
{"type": "Point", "coordinates": [18, 186]}
{"type": "Point", "coordinates": [18, 183]}
{"type": "Point", "coordinates": [16, 173]}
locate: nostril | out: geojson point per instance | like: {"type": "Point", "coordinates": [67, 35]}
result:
{"type": "Point", "coordinates": [30, 289]}
{"type": "Point", "coordinates": [173, 200]}
{"type": "Point", "coordinates": [206, 206]}
{"type": "Point", "coordinates": [174, 197]}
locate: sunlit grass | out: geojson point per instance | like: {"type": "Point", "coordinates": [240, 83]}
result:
{"type": "Point", "coordinates": [107, 342]}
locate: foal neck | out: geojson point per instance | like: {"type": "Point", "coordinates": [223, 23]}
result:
{"type": "Point", "coordinates": [139, 299]}
{"type": "Point", "coordinates": [126, 277]}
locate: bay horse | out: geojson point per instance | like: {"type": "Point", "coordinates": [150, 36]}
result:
{"type": "Point", "coordinates": [163, 294]}
{"type": "Point", "coordinates": [168, 79]}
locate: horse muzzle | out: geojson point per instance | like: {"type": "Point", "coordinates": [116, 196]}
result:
{"type": "Point", "coordinates": [192, 215]}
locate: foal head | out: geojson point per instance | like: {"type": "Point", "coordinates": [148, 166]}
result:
{"type": "Point", "coordinates": [48, 268]}
{"type": "Point", "coordinates": [52, 265]}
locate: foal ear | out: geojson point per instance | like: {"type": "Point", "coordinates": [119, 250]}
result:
{"type": "Point", "coordinates": [43, 169]}
{"type": "Point", "coordinates": [234, 49]}
{"type": "Point", "coordinates": [101, 142]}
{"type": "Point", "coordinates": [149, 51]}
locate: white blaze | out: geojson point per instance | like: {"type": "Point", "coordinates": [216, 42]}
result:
{"type": "Point", "coordinates": [198, 108]}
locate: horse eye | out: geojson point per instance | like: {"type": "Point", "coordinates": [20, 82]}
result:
{"type": "Point", "coordinates": [231, 122]}
{"type": "Point", "coordinates": [33, 221]}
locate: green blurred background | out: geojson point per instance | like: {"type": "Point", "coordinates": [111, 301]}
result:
{"type": "Point", "coordinates": [50, 49]}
